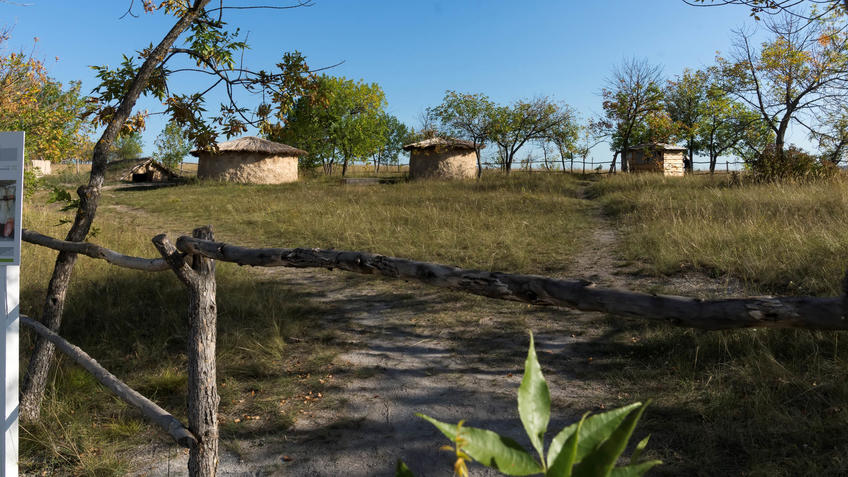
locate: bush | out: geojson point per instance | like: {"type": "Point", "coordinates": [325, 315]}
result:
{"type": "Point", "coordinates": [793, 164]}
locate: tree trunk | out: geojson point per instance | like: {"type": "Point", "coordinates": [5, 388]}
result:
{"type": "Point", "coordinates": [202, 316]}
{"type": "Point", "coordinates": [35, 379]}
{"type": "Point", "coordinates": [344, 167]}
{"type": "Point", "coordinates": [612, 164]}
{"type": "Point", "coordinates": [624, 165]}
{"type": "Point", "coordinates": [479, 164]}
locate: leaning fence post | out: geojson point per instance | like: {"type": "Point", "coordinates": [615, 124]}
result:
{"type": "Point", "coordinates": [202, 315]}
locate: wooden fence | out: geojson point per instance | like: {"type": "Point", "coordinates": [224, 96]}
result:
{"type": "Point", "coordinates": [192, 260]}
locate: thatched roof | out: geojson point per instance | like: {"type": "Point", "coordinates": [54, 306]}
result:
{"type": "Point", "coordinates": [145, 162]}
{"type": "Point", "coordinates": [442, 143]}
{"type": "Point", "coordinates": [658, 146]}
{"type": "Point", "coordinates": [256, 144]}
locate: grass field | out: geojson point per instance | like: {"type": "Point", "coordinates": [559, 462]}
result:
{"type": "Point", "coordinates": [749, 402]}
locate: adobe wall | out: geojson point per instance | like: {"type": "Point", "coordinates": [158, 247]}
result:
{"type": "Point", "coordinates": [450, 164]}
{"type": "Point", "coordinates": [42, 166]}
{"type": "Point", "coordinates": [247, 168]}
{"type": "Point", "coordinates": [673, 163]}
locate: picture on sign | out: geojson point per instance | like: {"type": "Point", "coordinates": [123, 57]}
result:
{"type": "Point", "coordinates": [11, 194]}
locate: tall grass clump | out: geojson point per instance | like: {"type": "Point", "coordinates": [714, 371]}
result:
{"type": "Point", "coordinates": [776, 237]}
{"type": "Point", "coordinates": [134, 324]}
{"type": "Point", "coordinates": [519, 223]}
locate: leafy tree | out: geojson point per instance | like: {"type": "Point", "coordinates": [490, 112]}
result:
{"type": "Point", "coordinates": [564, 135]}
{"type": "Point", "coordinates": [727, 125]}
{"type": "Point", "coordinates": [796, 75]}
{"type": "Point", "coordinates": [33, 102]}
{"type": "Point", "coordinates": [394, 133]}
{"type": "Point", "coordinates": [209, 50]}
{"type": "Point", "coordinates": [632, 95]}
{"type": "Point", "coordinates": [172, 146]}
{"type": "Point", "coordinates": [467, 116]}
{"type": "Point", "coordinates": [515, 125]}
{"type": "Point", "coordinates": [684, 101]}
{"type": "Point", "coordinates": [340, 123]}
{"type": "Point", "coordinates": [127, 146]}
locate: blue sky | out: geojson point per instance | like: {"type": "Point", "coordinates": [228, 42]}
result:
{"type": "Point", "coordinates": [507, 49]}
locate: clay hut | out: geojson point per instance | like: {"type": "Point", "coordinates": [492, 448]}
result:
{"type": "Point", "coordinates": [656, 157]}
{"type": "Point", "coordinates": [41, 167]}
{"type": "Point", "coordinates": [149, 170]}
{"type": "Point", "coordinates": [443, 158]}
{"type": "Point", "coordinates": [249, 160]}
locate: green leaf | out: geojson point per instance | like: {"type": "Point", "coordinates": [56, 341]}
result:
{"type": "Point", "coordinates": [640, 447]}
{"type": "Point", "coordinates": [600, 462]}
{"type": "Point", "coordinates": [597, 429]}
{"type": "Point", "coordinates": [561, 462]}
{"type": "Point", "coordinates": [534, 401]}
{"type": "Point", "coordinates": [401, 470]}
{"type": "Point", "coordinates": [490, 448]}
{"type": "Point", "coordinates": [634, 470]}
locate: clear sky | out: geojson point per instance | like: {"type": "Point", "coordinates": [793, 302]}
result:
{"type": "Point", "coordinates": [415, 50]}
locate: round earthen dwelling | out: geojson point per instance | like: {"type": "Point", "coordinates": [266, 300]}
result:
{"type": "Point", "coordinates": [249, 160]}
{"type": "Point", "coordinates": [442, 158]}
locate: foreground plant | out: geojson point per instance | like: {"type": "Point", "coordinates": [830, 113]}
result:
{"type": "Point", "coordinates": [590, 447]}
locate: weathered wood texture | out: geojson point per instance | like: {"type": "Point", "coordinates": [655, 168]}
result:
{"type": "Point", "coordinates": [757, 312]}
{"type": "Point", "coordinates": [203, 398]}
{"type": "Point", "coordinates": [35, 379]}
{"type": "Point", "coordinates": [96, 251]}
{"type": "Point", "coordinates": [148, 408]}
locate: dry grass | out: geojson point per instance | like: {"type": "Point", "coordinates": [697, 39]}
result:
{"type": "Point", "coordinates": [777, 238]}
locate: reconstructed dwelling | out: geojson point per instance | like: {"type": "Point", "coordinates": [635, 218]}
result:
{"type": "Point", "coordinates": [149, 170]}
{"type": "Point", "coordinates": [656, 157]}
{"type": "Point", "coordinates": [41, 167]}
{"type": "Point", "coordinates": [249, 160]}
{"type": "Point", "coordinates": [443, 158]}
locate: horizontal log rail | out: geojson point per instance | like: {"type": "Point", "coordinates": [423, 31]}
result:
{"type": "Point", "coordinates": [96, 251]}
{"type": "Point", "coordinates": [148, 408]}
{"type": "Point", "coordinates": [756, 312]}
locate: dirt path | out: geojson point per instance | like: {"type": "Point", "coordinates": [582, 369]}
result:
{"type": "Point", "coordinates": [416, 349]}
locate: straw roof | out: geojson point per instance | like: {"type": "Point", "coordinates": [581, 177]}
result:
{"type": "Point", "coordinates": [442, 143]}
{"type": "Point", "coordinates": [255, 144]}
{"type": "Point", "coordinates": [659, 145]}
{"type": "Point", "coordinates": [149, 161]}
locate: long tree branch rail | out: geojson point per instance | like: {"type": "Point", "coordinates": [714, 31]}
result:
{"type": "Point", "coordinates": [754, 312]}
{"type": "Point", "coordinates": [148, 408]}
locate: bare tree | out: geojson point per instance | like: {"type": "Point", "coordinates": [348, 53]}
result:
{"type": "Point", "coordinates": [632, 93]}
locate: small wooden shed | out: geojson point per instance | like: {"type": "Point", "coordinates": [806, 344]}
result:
{"type": "Point", "coordinates": [249, 160]}
{"type": "Point", "coordinates": [656, 157]}
{"type": "Point", "coordinates": [149, 170]}
{"type": "Point", "coordinates": [444, 158]}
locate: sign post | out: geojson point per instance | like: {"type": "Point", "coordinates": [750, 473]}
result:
{"type": "Point", "coordinates": [11, 206]}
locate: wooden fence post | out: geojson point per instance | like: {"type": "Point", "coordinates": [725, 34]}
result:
{"type": "Point", "coordinates": [202, 315]}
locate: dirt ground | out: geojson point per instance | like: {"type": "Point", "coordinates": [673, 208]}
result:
{"type": "Point", "coordinates": [415, 349]}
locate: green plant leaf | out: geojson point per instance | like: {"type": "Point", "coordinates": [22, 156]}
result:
{"type": "Point", "coordinates": [490, 448]}
{"type": "Point", "coordinates": [593, 432]}
{"type": "Point", "coordinates": [600, 462]}
{"type": "Point", "coordinates": [634, 470]}
{"type": "Point", "coordinates": [534, 401]}
{"type": "Point", "coordinates": [561, 463]}
{"type": "Point", "coordinates": [640, 447]}
{"type": "Point", "coordinates": [401, 470]}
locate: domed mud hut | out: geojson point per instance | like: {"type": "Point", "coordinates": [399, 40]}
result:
{"type": "Point", "coordinates": [656, 157]}
{"type": "Point", "coordinates": [249, 160]}
{"type": "Point", "coordinates": [442, 158]}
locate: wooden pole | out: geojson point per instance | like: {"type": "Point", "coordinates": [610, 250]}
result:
{"type": "Point", "coordinates": [148, 408]}
{"type": "Point", "coordinates": [756, 312]}
{"type": "Point", "coordinates": [727, 166]}
{"type": "Point", "coordinates": [202, 315]}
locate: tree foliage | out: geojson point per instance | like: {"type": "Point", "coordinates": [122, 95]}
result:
{"type": "Point", "coordinates": [342, 122]}
{"type": "Point", "coordinates": [172, 146]}
{"type": "Point", "coordinates": [632, 96]}
{"type": "Point", "coordinates": [32, 101]}
{"type": "Point", "coordinates": [467, 116]}
{"type": "Point", "coordinates": [524, 121]}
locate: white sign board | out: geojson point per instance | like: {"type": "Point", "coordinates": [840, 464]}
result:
{"type": "Point", "coordinates": [11, 204]}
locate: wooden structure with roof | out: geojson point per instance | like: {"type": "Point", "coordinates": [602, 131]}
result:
{"type": "Point", "coordinates": [149, 170]}
{"type": "Point", "coordinates": [656, 157]}
{"type": "Point", "coordinates": [249, 160]}
{"type": "Point", "coordinates": [443, 158]}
